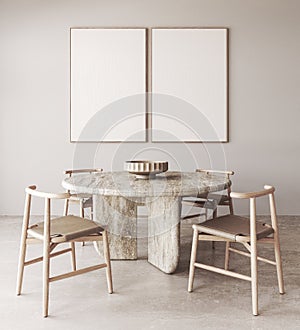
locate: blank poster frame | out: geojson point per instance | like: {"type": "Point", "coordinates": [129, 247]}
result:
{"type": "Point", "coordinates": [176, 62]}
{"type": "Point", "coordinates": [119, 70]}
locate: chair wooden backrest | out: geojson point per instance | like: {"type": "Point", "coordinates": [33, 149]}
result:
{"type": "Point", "coordinates": [208, 201]}
{"type": "Point", "coordinates": [268, 190]}
{"type": "Point", "coordinates": [228, 200]}
{"type": "Point", "coordinates": [84, 200]}
{"type": "Point", "coordinates": [83, 170]}
{"type": "Point", "coordinates": [31, 191]}
{"type": "Point", "coordinates": [218, 172]}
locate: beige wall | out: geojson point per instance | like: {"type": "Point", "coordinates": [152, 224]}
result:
{"type": "Point", "coordinates": [264, 91]}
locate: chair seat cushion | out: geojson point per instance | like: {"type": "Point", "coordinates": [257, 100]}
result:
{"type": "Point", "coordinates": [64, 229]}
{"type": "Point", "coordinates": [234, 227]}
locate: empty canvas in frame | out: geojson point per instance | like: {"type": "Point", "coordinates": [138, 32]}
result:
{"type": "Point", "coordinates": [108, 84]}
{"type": "Point", "coordinates": [189, 84]}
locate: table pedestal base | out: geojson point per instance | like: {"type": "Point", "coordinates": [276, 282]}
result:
{"type": "Point", "coordinates": [164, 233]}
{"type": "Point", "coordinates": [119, 216]}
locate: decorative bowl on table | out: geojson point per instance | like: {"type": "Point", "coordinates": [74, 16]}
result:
{"type": "Point", "coordinates": [145, 169]}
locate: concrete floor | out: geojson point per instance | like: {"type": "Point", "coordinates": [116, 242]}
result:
{"type": "Point", "coordinates": [146, 298]}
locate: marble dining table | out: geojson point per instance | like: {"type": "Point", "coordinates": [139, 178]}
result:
{"type": "Point", "coordinates": [117, 195]}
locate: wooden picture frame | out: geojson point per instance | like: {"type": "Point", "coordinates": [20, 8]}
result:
{"type": "Point", "coordinates": [189, 79]}
{"type": "Point", "coordinates": [108, 84]}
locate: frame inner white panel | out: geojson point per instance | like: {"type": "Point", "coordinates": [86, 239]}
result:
{"type": "Point", "coordinates": [190, 66]}
{"type": "Point", "coordinates": [108, 84]}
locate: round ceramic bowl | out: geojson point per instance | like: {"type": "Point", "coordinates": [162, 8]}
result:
{"type": "Point", "coordinates": [145, 169]}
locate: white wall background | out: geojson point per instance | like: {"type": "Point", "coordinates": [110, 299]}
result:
{"type": "Point", "coordinates": [264, 73]}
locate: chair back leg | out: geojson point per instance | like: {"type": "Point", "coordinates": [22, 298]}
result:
{"type": "Point", "coordinates": [230, 201]}
{"type": "Point", "coordinates": [66, 207]}
{"type": "Point", "coordinates": [81, 208]}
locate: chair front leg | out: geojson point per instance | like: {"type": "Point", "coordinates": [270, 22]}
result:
{"type": "Point", "coordinates": [214, 215]}
{"type": "Point", "coordinates": [193, 260]}
{"type": "Point", "coordinates": [46, 272]}
{"type": "Point", "coordinates": [23, 245]}
{"type": "Point", "coordinates": [227, 252]}
{"type": "Point", "coordinates": [73, 255]}
{"type": "Point", "coordinates": [22, 256]}
{"type": "Point", "coordinates": [276, 243]}
{"type": "Point", "coordinates": [254, 288]}
{"type": "Point", "coordinates": [46, 258]}
{"type": "Point", "coordinates": [107, 261]}
{"type": "Point", "coordinates": [278, 263]}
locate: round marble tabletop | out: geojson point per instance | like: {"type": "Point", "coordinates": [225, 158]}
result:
{"type": "Point", "coordinates": [176, 184]}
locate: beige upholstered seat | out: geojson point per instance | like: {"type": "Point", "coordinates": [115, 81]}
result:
{"type": "Point", "coordinates": [232, 228]}
{"type": "Point", "coordinates": [210, 201]}
{"type": "Point", "coordinates": [52, 232]}
{"type": "Point", "coordinates": [64, 229]}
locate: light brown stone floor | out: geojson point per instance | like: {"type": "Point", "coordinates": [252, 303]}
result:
{"type": "Point", "coordinates": [146, 298]}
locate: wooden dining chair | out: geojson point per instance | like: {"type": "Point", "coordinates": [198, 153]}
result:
{"type": "Point", "coordinates": [248, 232]}
{"type": "Point", "coordinates": [52, 232]}
{"type": "Point", "coordinates": [83, 200]}
{"type": "Point", "coordinates": [210, 201]}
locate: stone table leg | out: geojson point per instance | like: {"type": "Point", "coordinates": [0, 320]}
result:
{"type": "Point", "coordinates": [164, 232]}
{"type": "Point", "coordinates": [119, 215]}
